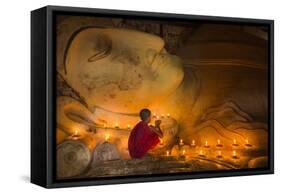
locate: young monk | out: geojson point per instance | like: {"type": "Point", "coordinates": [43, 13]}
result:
{"type": "Point", "coordinates": [144, 137]}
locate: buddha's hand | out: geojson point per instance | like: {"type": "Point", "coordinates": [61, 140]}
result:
{"type": "Point", "coordinates": [73, 116]}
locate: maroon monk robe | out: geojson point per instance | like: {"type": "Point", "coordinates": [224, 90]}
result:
{"type": "Point", "coordinates": [141, 139]}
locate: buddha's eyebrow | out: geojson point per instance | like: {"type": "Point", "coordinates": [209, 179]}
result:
{"type": "Point", "coordinates": [73, 35]}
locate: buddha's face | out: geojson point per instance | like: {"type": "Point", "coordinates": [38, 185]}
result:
{"type": "Point", "coordinates": [121, 70]}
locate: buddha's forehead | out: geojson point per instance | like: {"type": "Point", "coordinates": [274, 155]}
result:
{"type": "Point", "coordinates": [121, 38]}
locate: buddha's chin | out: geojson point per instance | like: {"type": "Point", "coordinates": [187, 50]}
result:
{"type": "Point", "coordinates": [170, 78]}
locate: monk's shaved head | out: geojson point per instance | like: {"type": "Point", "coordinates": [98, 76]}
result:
{"type": "Point", "coordinates": [145, 114]}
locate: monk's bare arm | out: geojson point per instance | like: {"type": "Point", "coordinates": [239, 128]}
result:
{"type": "Point", "coordinates": [157, 130]}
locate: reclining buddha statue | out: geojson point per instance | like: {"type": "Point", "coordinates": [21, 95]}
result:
{"type": "Point", "coordinates": [202, 92]}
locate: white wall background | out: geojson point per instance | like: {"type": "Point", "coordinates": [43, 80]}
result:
{"type": "Point", "coordinates": [15, 94]}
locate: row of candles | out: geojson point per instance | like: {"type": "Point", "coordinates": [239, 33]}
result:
{"type": "Point", "coordinates": [155, 116]}
{"type": "Point", "coordinates": [219, 144]}
{"type": "Point", "coordinates": [76, 136]}
{"type": "Point", "coordinates": [116, 126]}
{"type": "Point", "coordinates": [206, 145]}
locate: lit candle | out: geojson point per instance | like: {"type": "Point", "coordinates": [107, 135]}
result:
{"type": "Point", "coordinates": [107, 136]}
{"type": "Point", "coordinates": [162, 115]}
{"type": "Point", "coordinates": [154, 115]}
{"type": "Point", "coordinates": [193, 143]}
{"type": "Point", "coordinates": [168, 115]}
{"type": "Point", "coordinates": [201, 153]}
{"type": "Point", "coordinates": [129, 126]}
{"type": "Point", "coordinates": [234, 154]}
{"type": "Point", "coordinates": [76, 132]}
{"type": "Point", "coordinates": [219, 143]}
{"type": "Point", "coordinates": [206, 144]}
{"type": "Point", "coordinates": [157, 117]}
{"type": "Point", "coordinates": [181, 142]}
{"type": "Point", "coordinates": [167, 153]}
{"type": "Point", "coordinates": [116, 125]}
{"type": "Point", "coordinates": [235, 143]}
{"type": "Point", "coordinates": [247, 143]}
{"type": "Point", "coordinates": [219, 154]}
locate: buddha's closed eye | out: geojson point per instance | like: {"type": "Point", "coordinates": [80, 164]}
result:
{"type": "Point", "coordinates": [102, 47]}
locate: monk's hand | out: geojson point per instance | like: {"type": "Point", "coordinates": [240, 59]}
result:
{"type": "Point", "coordinates": [157, 123]}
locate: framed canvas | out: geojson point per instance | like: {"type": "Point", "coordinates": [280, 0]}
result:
{"type": "Point", "coordinates": [125, 96]}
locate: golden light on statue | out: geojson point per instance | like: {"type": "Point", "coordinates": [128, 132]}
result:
{"type": "Point", "coordinates": [219, 155]}
{"type": "Point", "coordinates": [193, 143]}
{"type": "Point", "coordinates": [219, 144]}
{"type": "Point", "coordinates": [235, 143]}
{"type": "Point", "coordinates": [75, 135]}
{"type": "Point", "coordinates": [206, 145]}
{"type": "Point", "coordinates": [234, 154]}
{"type": "Point", "coordinates": [247, 144]}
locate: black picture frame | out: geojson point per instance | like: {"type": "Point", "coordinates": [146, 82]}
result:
{"type": "Point", "coordinates": [43, 96]}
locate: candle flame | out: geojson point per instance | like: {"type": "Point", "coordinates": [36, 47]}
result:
{"type": "Point", "coordinates": [219, 153]}
{"type": "Point", "coordinates": [219, 141]}
{"type": "Point", "coordinates": [167, 152]}
{"type": "Point", "coordinates": [129, 126]}
{"type": "Point", "coordinates": [201, 152]}
{"type": "Point", "coordinates": [107, 136]}
{"type": "Point", "coordinates": [206, 143]}
{"type": "Point", "coordinates": [234, 153]}
{"type": "Point", "coordinates": [234, 141]}
{"type": "Point", "coordinates": [247, 141]}
{"type": "Point", "coordinates": [168, 115]}
{"type": "Point", "coordinates": [193, 142]}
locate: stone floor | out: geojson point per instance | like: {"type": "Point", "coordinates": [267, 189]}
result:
{"type": "Point", "coordinates": [152, 165]}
